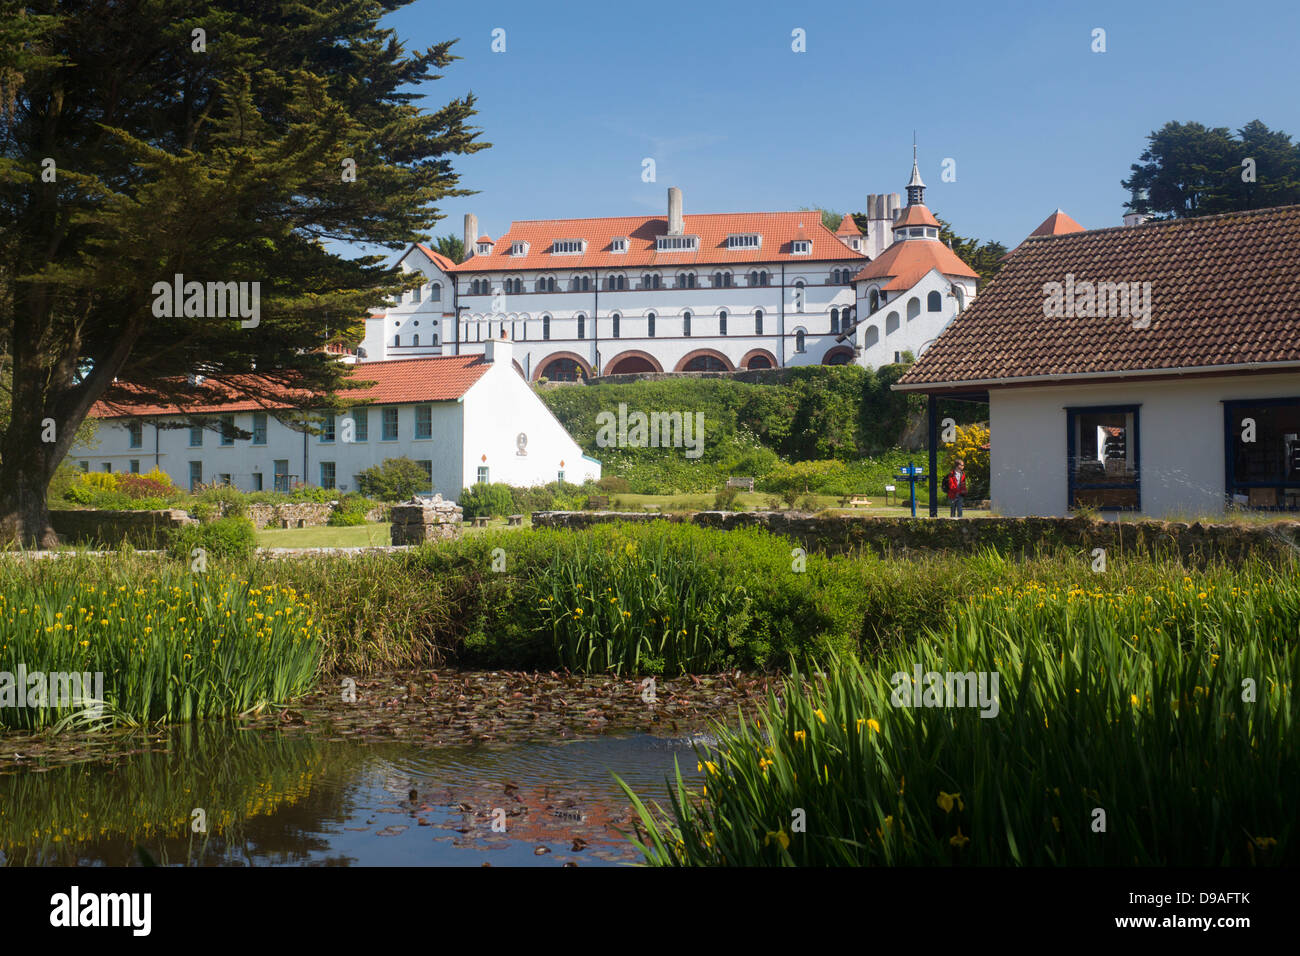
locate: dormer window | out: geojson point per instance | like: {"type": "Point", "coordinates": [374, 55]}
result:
{"type": "Point", "coordinates": [568, 247]}
{"type": "Point", "coordinates": [483, 249]}
{"type": "Point", "coordinates": [677, 243]}
{"type": "Point", "coordinates": [618, 245]}
{"type": "Point", "coordinates": [519, 248]}
{"type": "Point", "coordinates": [749, 240]}
{"type": "Point", "coordinates": [801, 247]}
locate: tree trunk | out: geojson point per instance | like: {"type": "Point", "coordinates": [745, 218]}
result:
{"type": "Point", "coordinates": [24, 515]}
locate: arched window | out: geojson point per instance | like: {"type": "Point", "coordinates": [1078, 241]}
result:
{"type": "Point", "coordinates": [435, 292]}
{"type": "Point", "coordinates": [763, 278]}
{"type": "Point", "coordinates": [582, 326]}
{"type": "Point", "coordinates": [705, 363]}
{"type": "Point", "coordinates": [686, 324]}
{"type": "Point", "coordinates": [722, 323]}
{"type": "Point", "coordinates": [871, 337]}
{"type": "Point", "coordinates": [934, 302]}
{"type": "Point", "coordinates": [758, 321]}
{"type": "Point", "coordinates": [650, 281]}
{"type": "Point", "coordinates": [961, 297]}
{"type": "Point", "coordinates": [753, 278]}
{"type": "Point", "coordinates": [397, 341]}
{"type": "Point", "coordinates": [415, 340]}
{"type": "Point", "coordinates": [435, 340]}
{"type": "Point", "coordinates": [891, 323]}
{"type": "Point", "coordinates": [585, 283]}
{"type": "Point", "coordinates": [874, 300]}
{"type": "Point", "coordinates": [798, 296]}
{"type": "Point", "coordinates": [800, 344]}
{"type": "Point", "coordinates": [650, 325]}
{"type": "Point", "coordinates": [563, 370]}
{"type": "Point", "coordinates": [835, 321]}
{"type": "Point", "coordinates": [686, 280]}
{"type": "Point", "coordinates": [616, 318]}
{"type": "Point", "coordinates": [546, 327]}
{"type": "Point", "coordinates": [913, 308]}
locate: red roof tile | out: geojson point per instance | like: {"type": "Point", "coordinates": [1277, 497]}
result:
{"type": "Point", "coordinates": [1057, 224]}
{"type": "Point", "coordinates": [778, 230]}
{"type": "Point", "coordinates": [916, 215]}
{"type": "Point", "coordinates": [1225, 291]}
{"type": "Point", "coordinates": [438, 259]}
{"type": "Point", "coordinates": [848, 227]}
{"type": "Point", "coordinates": [908, 260]}
{"type": "Point", "coordinates": [401, 381]}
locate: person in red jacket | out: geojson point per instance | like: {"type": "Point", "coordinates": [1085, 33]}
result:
{"type": "Point", "coordinates": [954, 486]}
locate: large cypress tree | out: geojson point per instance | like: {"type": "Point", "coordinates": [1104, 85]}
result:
{"type": "Point", "coordinates": [222, 140]}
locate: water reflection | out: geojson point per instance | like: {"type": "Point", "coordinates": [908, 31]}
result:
{"type": "Point", "coordinates": [271, 799]}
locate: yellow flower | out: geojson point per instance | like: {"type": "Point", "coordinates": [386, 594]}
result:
{"type": "Point", "coordinates": [874, 725]}
{"type": "Point", "coordinates": [946, 800]}
{"type": "Point", "coordinates": [779, 836]}
{"type": "Point", "coordinates": [1133, 699]}
{"type": "Point", "coordinates": [820, 716]}
{"type": "Point", "coordinates": [801, 735]}
{"type": "Point", "coordinates": [1056, 822]}
{"type": "Point", "coordinates": [764, 763]}
{"type": "Point", "coordinates": [958, 841]}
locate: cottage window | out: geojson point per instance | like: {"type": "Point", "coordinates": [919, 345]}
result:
{"type": "Point", "coordinates": [1103, 461]}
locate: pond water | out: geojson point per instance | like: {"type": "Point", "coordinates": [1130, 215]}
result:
{"type": "Point", "coordinates": [268, 798]}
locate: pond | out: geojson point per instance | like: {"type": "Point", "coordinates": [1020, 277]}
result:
{"type": "Point", "coordinates": [466, 769]}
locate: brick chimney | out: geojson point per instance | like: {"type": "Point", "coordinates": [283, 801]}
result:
{"type": "Point", "coordinates": [499, 351]}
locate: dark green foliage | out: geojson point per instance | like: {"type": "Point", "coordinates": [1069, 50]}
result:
{"type": "Point", "coordinates": [487, 500]}
{"type": "Point", "coordinates": [294, 124]}
{"type": "Point", "coordinates": [1189, 169]}
{"type": "Point", "coordinates": [222, 538]}
{"type": "Point", "coordinates": [396, 479]}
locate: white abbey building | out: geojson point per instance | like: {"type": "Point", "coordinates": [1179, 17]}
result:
{"type": "Point", "coordinates": [466, 419]}
{"type": "Point", "coordinates": [586, 297]}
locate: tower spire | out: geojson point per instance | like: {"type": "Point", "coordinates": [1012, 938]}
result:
{"type": "Point", "coordinates": [915, 187]}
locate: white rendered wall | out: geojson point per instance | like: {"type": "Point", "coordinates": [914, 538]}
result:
{"type": "Point", "coordinates": [1180, 434]}
{"type": "Point", "coordinates": [879, 345]}
{"type": "Point", "coordinates": [498, 408]}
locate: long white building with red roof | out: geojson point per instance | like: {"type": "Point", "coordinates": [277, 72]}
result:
{"type": "Point", "coordinates": [581, 298]}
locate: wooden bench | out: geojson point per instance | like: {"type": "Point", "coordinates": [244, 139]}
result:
{"type": "Point", "coordinates": [746, 483]}
{"type": "Point", "coordinates": [650, 507]}
{"type": "Point", "coordinates": [859, 502]}
{"type": "Point", "coordinates": [515, 520]}
{"type": "Point", "coordinates": [482, 521]}
{"type": "Point", "coordinates": [597, 502]}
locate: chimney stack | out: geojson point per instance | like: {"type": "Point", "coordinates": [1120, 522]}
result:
{"type": "Point", "coordinates": [471, 233]}
{"type": "Point", "coordinates": [675, 223]}
{"type": "Point", "coordinates": [498, 351]}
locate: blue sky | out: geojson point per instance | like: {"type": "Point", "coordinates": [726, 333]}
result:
{"type": "Point", "coordinates": [712, 91]}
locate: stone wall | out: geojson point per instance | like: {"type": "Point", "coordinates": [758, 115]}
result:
{"type": "Point", "coordinates": [142, 529]}
{"type": "Point", "coordinates": [902, 536]}
{"type": "Point", "coordinates": [420, 520]}
{"type": "Point", "coordinates": [301, 514]}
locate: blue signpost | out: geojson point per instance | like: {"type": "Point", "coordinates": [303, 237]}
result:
{"type": "Point", "coordinates": [912, 474]}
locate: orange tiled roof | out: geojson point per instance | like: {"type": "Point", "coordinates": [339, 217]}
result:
{"type": "Point", "coordinates": [396, 382]}
{"type": "Point", "coordinates": [438, 259]}
{"type": "Point", "coordinates": [848, 227]}
{"type": "Point", "coordinates": [1224, 292]}
{"type": "Point", "coordinates": [916, 215]}
{"type": "Point", "coordinates": [908, 260]}
{"type": "Point", "coordinates": [1057, 224]}
{"type": "Point", "coordinates": [484, 238]}
{"type": "Point", "coordinates": [778, 230]}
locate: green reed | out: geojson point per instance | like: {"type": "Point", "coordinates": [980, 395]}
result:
{"type": "Point", "coordinates": [1151, 726]}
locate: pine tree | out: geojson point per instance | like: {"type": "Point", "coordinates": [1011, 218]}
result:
{"type": "Point", "coordinates": [222, 140]}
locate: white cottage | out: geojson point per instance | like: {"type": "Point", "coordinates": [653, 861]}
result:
{"type": "Point", "coordinates": [467, 419]}
{"type": "Point", "coordinates": [1152, 369]}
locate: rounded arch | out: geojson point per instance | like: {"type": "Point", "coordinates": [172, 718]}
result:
{"type": "Point", "coordinates": [632, 360]}
{"type": "Point", "coordinates": [703, 355]}
{"type": "Point", "coordinates": [913, 308]}
{"type": "Point", "coordinates": [583, 367]}
{"type": "Point", "coordinates": [934, 302]}
{"type": "Point", "coordinates": [519, 368]}
{"type": "Point", "coordinates": [758, 358]}
{"type": "Point", "coordinates": [871, 336]}
{"type": "Point", "coordinates": [873, 299]}
{"type": "Point", "coordinates": [891, 323]}
{"type": "Point", "coordinates": [961, 296]}
{"type": "Point", "coordinates": [840, 355]}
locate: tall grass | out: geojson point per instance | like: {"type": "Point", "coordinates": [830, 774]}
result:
{"type": "Point", "coordinates": [629, 609]}
{"type": "Point", "coordinates": [171, 646]}
{"type": "Point", "coordinates": [1147, 726]}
